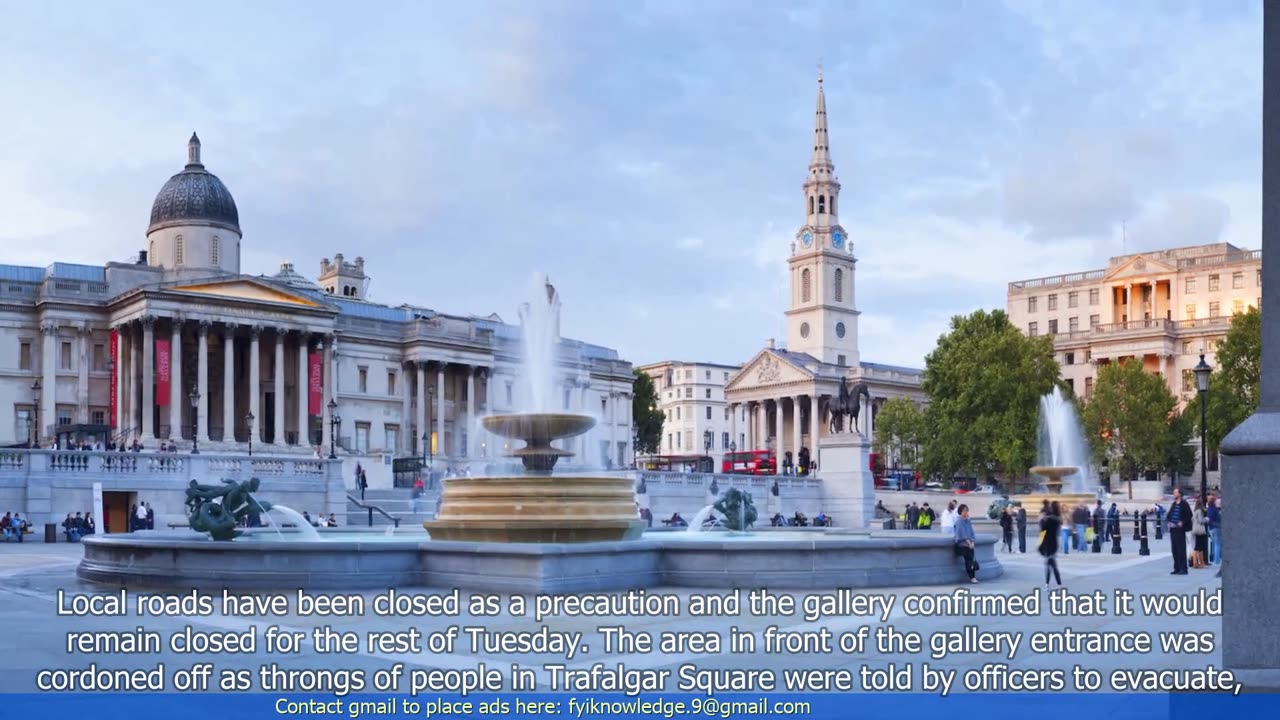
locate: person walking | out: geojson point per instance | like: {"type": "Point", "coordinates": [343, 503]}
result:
{"type": "Point", "coordinates": [1021, 520]}
{"type": "Point", "coordinates": [1006, 529]}
{"type": "Point", "coordinates": [1200, 532]}
{"type": "Point", "coordinates": [1180, 523]}
{"type": "Point", "coordinates": [1050, 525]}
{"type": "Point", "coordinates": [364, 483]}
{"type": "Point", "coordinates": [1215, 530]}
{"type": "Point", "coordinates": [966, 542]}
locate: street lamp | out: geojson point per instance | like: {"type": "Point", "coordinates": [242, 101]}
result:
{"type": "Point", "coordinates": [248, 418]}
{"type": "Point", "coordinates": [195, 421]}
{"type": "Point", "coordinates": [35, 392]}
{"type": "Point", "coordinates": [706, 445]}
{"type": "Point", "coordinates": [431, 391]}
{"type": "Point", "coordinates": [733, 448]}
{"type": "Point", "coordinates": [1202, 372]}
{"type": "Point", "coordinates": [334, 422]}
{"type": "Point", "coordinates": [426, 445]}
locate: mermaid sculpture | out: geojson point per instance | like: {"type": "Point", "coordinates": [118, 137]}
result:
{"type": "Point", "coordinates": [218, 509]}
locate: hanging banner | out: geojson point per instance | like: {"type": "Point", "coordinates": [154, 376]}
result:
{"type": "Point", "coordinates": [163, 369]}
{"type": "Point", "coordinates": [315, 383]}
{"type": "Point", "coordinates": [114, 348]}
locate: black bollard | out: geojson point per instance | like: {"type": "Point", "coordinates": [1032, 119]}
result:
{"type": "Point", "coordinates": [1143, 549]}
{"type": "Point", "coordinates": [1159, 526]}
{"type": "Point", "coordinates": [1115, 539]}
{"type": "Point", "coordinates": [1097, 535]}
{"type": "Point", "coordinates": [1135, 527]}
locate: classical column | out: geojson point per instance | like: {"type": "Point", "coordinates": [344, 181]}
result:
{"type": "Point", "coordinates": [422, 427]}
{"type": "Point", "coordinates": [176, 398]}
{"type": "Point", "coordinates": [228, 383]}
{"type": "Point", "coordinates": [48, 379]}
{"type": "Point", "coordinates": [136, 342]}
{"type": "Point", "coordinates": [733, 423]}
{"type": "Point", "coordinates": [277, 435]}
{"type": "Point", "coordinates": [588, 437]}
{"type": "Point", "coordinates": [796, 429]}
{"type": "Point", "coordinates": [488, 407]}
{"type": "Point", "coordinates": [82, 381]}
{"type": "Point", "coordinates": [407, 429]}
{"type": "Point", "coordinates": [325, 347]}
{"type": "Point", "coordinates": [611, 456]}
{"type": "Point", "coordinates": [304, 393]}
{"type": "Point", "coordinates": [815, 425]}
{"type": "Point", "coordinates": [471, 412]}
{"type": "Point", "coordinates": [440, 409]}
{"type": "Point", "coordinates": [1154, 314]}
{"type": "Point", "coordinates": [762, 426]}
{"type": "Point", "coordinates": [121, 418]}
{"type": "Point", "coordinates": [149, 378]}
{"type": "Point", "coordinates": [1131, 287]}
{"type": "Point", "coordinates": [780, 445]}
{"type": "Point", "coordinates": [202, 381]}
{"type": "Point", "coordinates": [255, 380]}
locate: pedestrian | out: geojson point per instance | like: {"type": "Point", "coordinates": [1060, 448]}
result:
{"type": "Point", "coordinates": [1215, 530]}
{"type": "Point", "coordinates": [925, 520]}
{"type": "Point", "coordinates": [1006, 529]}
{"type": "Point", "coordinates": [364, 483]}
{"type": "Point", "coordinates": [1021, 519]}
{"type": "Point", "coordinates": [1180, 523]}
{"type": "Point", "coordinates": [1050, 525]}
{"type": "Point", "coordinates": [949, 519]}
{"type": "Point", "coordinates": [1200, 532]}
{"type": "Point", "coordinates": [965, 542]}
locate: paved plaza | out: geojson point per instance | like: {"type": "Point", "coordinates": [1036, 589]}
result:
{"type": "Point", "coordinates": [32, 574]}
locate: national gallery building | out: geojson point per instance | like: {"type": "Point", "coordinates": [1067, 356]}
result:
{"type": "Point", "coordinates": [179, 346]}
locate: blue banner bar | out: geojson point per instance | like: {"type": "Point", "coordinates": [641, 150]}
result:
{"type": "Point", "coordinates": [889, 706]}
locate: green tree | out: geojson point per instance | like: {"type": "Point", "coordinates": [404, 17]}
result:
{"type": "Point", "coordinates": [899, 431]}
{"type": "Point", "coordinates": [984, 381]}
{"type": "Point", "coordinates": [1132, 421]}
{"type": "Point", "coordinates": [1233, 386]}
{"type": "Point", "coordinates": [646, 417]}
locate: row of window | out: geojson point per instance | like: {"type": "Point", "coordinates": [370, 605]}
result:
{"type": "Point", "coordinates": [66, 357]}
{"type": "Point", "coordinates": [688, 393]}
{"type": "Point", "coordinates": [819, 203]}
{"type": "Point", "coordinates": [1237, 281]}
{"type": "Point", "coordinates": [669, 380]}
{"type": "Point", "coordinates": [1073, 324]}
{"type": "Point", "coordinates": [674, 413]}
{"type": "Point", "coordinates": [1073, 300]}
{"type": "Point", "coordinates": [806, 285]}
{"type": "Point", "coordinates": [24, 416]}
{"type": "Point", "coordinates": [1073, 297]}
{"type": "Point", "coordinates": [180, 250]}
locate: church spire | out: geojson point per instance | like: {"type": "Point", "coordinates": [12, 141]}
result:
{"type": "Point", "coordinates": [193, 151]}
{"type": "Point", "coordinates": [821, 148]}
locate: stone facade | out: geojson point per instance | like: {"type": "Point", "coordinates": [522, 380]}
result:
{"type": "Point", "coordinates": [1163, 307]}
{"type": "Point", "coordinates": [182, 347]}
{"type": "Point", "coordinates": [691, 396]}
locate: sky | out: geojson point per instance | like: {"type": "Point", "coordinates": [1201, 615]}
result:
{"type": "Point", "coordinates": [647, 155]}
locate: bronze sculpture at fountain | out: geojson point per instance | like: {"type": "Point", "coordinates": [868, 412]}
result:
{"type": "Point", "coordinates": [219, 509]}
{"type": "Point", "coordinates": [737, 511]}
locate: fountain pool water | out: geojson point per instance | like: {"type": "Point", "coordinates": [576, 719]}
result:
{"type": "Point", "coordinates": [305, 529]}
{"type": "Point", "coordinates": [699, 518]}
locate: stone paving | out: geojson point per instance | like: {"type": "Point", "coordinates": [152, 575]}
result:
{"type": "Point", "coordinates": [32, 574]}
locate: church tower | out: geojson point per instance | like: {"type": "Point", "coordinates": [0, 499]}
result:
{"type": "Point", "coordinates": [822, 320]}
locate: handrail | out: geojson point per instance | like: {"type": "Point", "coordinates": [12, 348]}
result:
{"type": "Point", "coordinates": [371, 508]}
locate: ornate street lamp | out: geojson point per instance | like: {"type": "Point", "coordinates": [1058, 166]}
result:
{"type": "Point", "coordinates": [248, 418]}
{"type": "Point", "coordinates": [35, 430]}
{"type": "Point", "coordinates": [1202, 371]}
{"type": "Point", "coordinates": [195, 421]}
{"type": "Point", "coordinates": [431, 450]}
{"type": "Point", "coordinates": [733, 448]}
{"type": "Point", "coordinates": [334, 422]}
{"type": "Point", "coordinates": [706, 447]}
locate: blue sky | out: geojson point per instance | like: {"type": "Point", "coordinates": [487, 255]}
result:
{"type": "Point", "coordinates": [647, 155]}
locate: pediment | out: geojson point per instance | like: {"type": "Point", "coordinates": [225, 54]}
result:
{"type": "Point", "coordinates": [1140, 266]}
{"type": "Point", "coordinates": [245, 289]}
{"type": "Point", "coordinates": [765, 369]}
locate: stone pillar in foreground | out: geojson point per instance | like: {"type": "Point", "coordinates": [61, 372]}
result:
{"type": "Point", "coordinates": [1251, 452]}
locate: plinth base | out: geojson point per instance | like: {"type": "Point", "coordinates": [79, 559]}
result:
{"type": "Point", "coordinates": [537, 509]}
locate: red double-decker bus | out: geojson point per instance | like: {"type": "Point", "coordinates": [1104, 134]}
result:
{"type": "Point", "coordinates": [750, 462]}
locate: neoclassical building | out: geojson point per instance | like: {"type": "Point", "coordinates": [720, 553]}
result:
{"type": "Point", "coordinates": [180, 345]}
{"type": "Point", "coordinates": [779, 398]}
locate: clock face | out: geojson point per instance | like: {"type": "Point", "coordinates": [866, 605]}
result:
{"type": "Point", "coordinates": [837, 239]}
{"type": "Point", "coordinates": [840, 329]}
{"type": "Point", "coordinates": [807, 238]}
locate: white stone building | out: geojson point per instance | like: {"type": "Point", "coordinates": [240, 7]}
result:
{"type": "Point", "coordinates": [691, 396]}
{"type": "Point", "coordinates": [180, 346]}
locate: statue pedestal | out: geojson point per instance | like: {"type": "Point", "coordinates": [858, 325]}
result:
{"type": "Point", "coordinates": [848, 487]}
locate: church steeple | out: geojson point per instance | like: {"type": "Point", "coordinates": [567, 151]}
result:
{"type": "Point", "coordinates": [821, 188]}
{"type": "Point", "coordinates": [821, 142]}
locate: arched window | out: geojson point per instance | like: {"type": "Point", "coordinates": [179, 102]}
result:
{"type": "Point", "coordinates": [151, 253]}
{"type": "Point", "coordinates": [833, 205]}
{"type": "Point", "coordinates": [810, 204]}
{"type": "Point", "coordinates": [839, 285]}
{"type": "Point", "coordinates": [822, 204]}
{"type": "Point", "coordinates": [178, 250]}
{"type": "Point", "coordinates": [804, 285]}
{"type": "Point", "coordinates": [215, 251]}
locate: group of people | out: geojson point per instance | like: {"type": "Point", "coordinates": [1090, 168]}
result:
{"type": "Point", "coordinates": [1204, 523]}
{"type": "Point", "coordinates": [320, 520]}
{"type": "Point", "coordinates": [13, 526]}
{"type": "Point", "coordinates": [77, 527]}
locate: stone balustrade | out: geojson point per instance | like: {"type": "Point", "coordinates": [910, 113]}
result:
{"type": "Point", "coordinates": [686, 493]}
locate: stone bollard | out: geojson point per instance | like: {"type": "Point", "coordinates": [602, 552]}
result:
{"type": "Point", "coordinates": [1135, 527]}
{"type": "Point", "coordinates": [1115, 541]}
{"type": "Point", "coordinates": [1097, 535]}
{"type": "Point", "coordinates": [1143, 548]}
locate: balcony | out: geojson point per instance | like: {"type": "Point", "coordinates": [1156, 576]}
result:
{"type": "Point", "coordinates": [1160, 325]}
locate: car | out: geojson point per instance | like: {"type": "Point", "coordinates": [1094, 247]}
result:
{"type": "Point", "coordinates": [984, 490]}
{"type": "Point", "coordinates": [933, 485]}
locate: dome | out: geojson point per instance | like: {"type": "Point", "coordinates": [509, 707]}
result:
{"type": "Point", "coordinates": [292, 278]}
{"type": "Point", "coordinates": [194, 196]}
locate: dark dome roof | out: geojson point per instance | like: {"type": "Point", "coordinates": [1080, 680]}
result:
{"type": "Point", "coordinates": [194, 196]}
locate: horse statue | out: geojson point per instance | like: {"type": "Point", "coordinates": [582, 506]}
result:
{"type": "Point", "coordinates": [848, 403]}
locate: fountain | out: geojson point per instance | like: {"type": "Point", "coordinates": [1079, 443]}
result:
{"type": "Point", "coordinates": [1062, 452]}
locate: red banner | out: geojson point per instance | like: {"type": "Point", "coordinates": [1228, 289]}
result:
{"type": "Point", "coordinates": [315, 383]}
{"type": "Point", "coordinates": [114, 349]}
{"type": "Point", "coordinates": [163, 371]}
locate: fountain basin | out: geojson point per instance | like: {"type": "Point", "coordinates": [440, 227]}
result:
{"type": "Point", "coordinates": [537, 509]}
{"type": "Point", "coordinates": [780, 558]}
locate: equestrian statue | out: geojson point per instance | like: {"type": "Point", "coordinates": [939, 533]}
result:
{"type": "Point", "coordinates": [848, 403]}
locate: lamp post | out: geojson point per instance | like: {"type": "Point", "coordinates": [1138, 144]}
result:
{"type": "Point", "coordinates": [35, 429]}
{"type": "Point", "coordinates": [195, 421]}
{"type": "Point", "coordinates": [426, 443]}
{"type": "Point", "coordinates": [248, 419]}
{"type": "Point", "coordinates": [1202, 372]}
{"type": "Point", "coordinates": [733, 461]}
{"type": "Point", "coordinates": [706, 446]}
{"type": "Point", "coordinates": [431, 450]}
{"type": "Point", "coordinates": [335, 426]}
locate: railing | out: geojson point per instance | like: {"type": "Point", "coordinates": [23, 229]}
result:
{"type": "Point", "coordinates": [83, 463]}
{"type": "Point", "coordinates": [1058, 280]}
{"type": "Point", "coordinates": [1161, 324]}
{"type": "Point", "coordinates": [372, 509]}
{"type": "Point", "coordinates": [1230, 258]}
{"type": "Point", "coordinates": [726, 480]}
{"type": "Point", "coordinates": [1205, 322]}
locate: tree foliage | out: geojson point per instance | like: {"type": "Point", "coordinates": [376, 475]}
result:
{"type": "Point", "coordinates": [1233, 386]}
{"type": "Point", "coordinates": [1132, 421]}
{"type": "Point", "coordinates": [900, 429]}
{"type": "Point", "coordinates": [646, 417]}
{"type": "Point", "coordinates": [984, 381]}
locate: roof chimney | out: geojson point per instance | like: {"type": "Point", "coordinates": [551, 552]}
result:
{"type": "Point", "coordinates": [770, 343]}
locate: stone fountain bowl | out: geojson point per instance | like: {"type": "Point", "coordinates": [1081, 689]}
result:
{"type": "Point", "coordinates": [538, 428]}
{"type": "Point", "coordinates": [1054, 474]}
